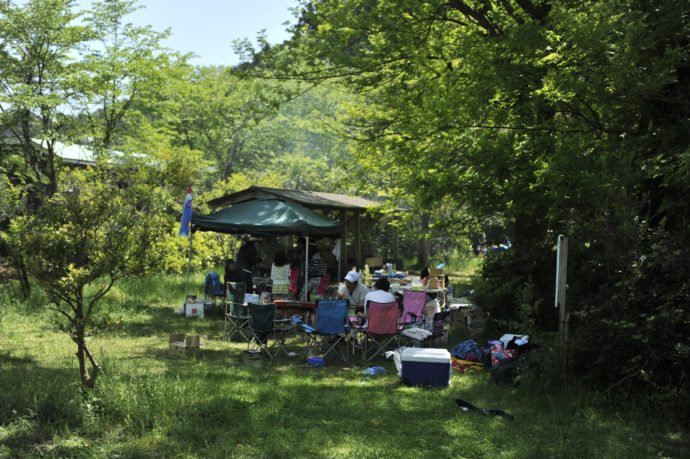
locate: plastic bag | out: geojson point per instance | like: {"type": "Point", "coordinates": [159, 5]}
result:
{"type": "Point", "coordinates": [374, 371]}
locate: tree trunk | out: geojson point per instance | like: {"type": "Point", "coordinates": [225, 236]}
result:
{"type": "Point", "coordinates": [83, 355]}
{"type": "Point", "coordinates": [23, 276]}
{"type": "Point", "coordinates": [422, 247]}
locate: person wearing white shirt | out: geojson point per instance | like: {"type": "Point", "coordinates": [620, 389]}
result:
{"type": "Point", "coordinates": [353, 290]}
{"type": "Point", "coordinates": [381, 293]}
{"type": "Point", "coordinates": [280, 272]}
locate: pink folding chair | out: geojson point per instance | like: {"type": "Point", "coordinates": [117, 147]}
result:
{"type": "Point", "coordinates": [381, 328]}
{"type": "Point", "coordinates": [413, 308]}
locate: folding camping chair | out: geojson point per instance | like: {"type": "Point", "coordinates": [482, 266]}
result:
{"type": "Point", "coordinates": [381, 328]}
{"type": "Point", "coordinates": [331, 329]}
{"type": "Point", "coordinates": [268, 333]}
{"type": "Point", "coordinates": [236, 314]}
{"type": "Point", "coordinates": [213, 289]}
{"type": "Point", "coordinates": [413, 308]}
{"type": "Point", "coordinates": [439, 333]}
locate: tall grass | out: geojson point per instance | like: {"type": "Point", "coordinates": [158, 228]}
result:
{"type": "Point", "coordinates": [149, 403]}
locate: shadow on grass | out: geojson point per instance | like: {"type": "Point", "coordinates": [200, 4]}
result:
{"type": "Point", "coordinates": [157, 320]}
{"type": "Point", "coordinates": [36, 401]}
{"type": "Point", "coordinates": [217, 405]}
{"type": "Point", "coordinates": [7, 359]}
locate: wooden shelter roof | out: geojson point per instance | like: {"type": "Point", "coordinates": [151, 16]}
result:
{"type": "Point", "coordinates": [311, 199]}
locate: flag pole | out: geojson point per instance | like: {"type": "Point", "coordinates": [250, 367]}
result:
{"type": "Point", "coordinates": [189, 267]}
{"type": "Point", "coordinates": [186, 230]}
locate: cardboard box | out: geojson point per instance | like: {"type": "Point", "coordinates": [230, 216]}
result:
{"type": "Point", "coordinates": [374, 262]}
{"type": "Point", "coordinates": [425, 367]}
{"type": "Point", "coordinates": [181, 344]}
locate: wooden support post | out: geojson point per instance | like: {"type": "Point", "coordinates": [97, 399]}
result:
{"type": "Point", "coordinates": [343, 244]}
{"type": "Point", "coordinates": [396, 247]}
{"type": "Point", "coordinates": [358, 242]}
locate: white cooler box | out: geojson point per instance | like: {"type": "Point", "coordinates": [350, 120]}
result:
{"type": "Point", "coordinates": [194, 309]}
{"type": "Point", "coordinates": [425, 367]}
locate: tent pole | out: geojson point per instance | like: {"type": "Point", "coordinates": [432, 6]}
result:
{"type": "Point", "coordinates": [305, 295]}
{"type": "Point", "coordinates": [189, 265]}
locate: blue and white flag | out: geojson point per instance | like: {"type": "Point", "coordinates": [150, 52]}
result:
{"type": "Point", "coordinates": [186, 214]}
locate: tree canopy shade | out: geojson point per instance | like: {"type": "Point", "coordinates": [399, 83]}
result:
{"type": "Point", "coordinates": [267, 217]}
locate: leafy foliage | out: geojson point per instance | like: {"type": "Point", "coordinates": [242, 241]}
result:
{"type": "Point", "coordinates": [84, 239]}
{"type": "Point", "coordinates": [548, 117]}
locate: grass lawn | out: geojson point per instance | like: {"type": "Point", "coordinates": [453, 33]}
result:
{"type": "Point", "coordinates": [149, 403]}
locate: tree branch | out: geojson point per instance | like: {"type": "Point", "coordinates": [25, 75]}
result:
{"type": "Point", "coordinates": [536, 12]}
{"type": "Point", "coordinates": [480, 18]}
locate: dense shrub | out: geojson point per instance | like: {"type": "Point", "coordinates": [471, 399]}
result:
{"type": "Point", "coordinates": [629, 327]}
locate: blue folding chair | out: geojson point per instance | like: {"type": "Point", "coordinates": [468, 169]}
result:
{"type": "Point", "coordinates": [331, 329]}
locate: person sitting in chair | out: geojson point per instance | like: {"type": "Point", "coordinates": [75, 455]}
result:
{"type": "Point", "coordinates": [353, 290]}
{"type": "Point", "coordinates": [431, 304]}
{"type": "Point", "coordinates": [380, 294]}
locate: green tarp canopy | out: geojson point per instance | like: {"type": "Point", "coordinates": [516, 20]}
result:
{"type": "Point", "coordinates": [267, 217]}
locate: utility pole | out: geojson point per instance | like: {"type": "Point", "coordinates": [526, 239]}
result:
{"type": "Point", "coordinates": [561, 284]}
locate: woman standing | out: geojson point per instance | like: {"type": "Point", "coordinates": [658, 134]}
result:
{"type": "Point", "coordinates": [280, 272]}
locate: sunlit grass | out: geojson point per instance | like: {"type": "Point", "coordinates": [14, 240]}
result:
{"type": "Point", "coordinates": [149, 403]}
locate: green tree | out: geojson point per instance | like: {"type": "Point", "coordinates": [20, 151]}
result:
{"type": "Point", "coordinates": [83, 239]}
{"type": "Point", "coordinates": [37, 58]}
{"type": "Point", "coordinates": [546, 116]}
{"type": "Point", "coordinates": [126, 68]}
{"type": "Point", "coordinates": [217, 113]}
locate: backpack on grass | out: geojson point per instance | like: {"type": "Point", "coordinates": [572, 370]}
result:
{"type": "Point", "coordinates": [213, 285]}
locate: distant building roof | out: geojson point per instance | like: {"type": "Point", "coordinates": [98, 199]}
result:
{"type": "Point", "coordinates": [71, 154]}
{"type": "Point", "coordinates": [312, 199]}
{"type": "Point", "coordinates": [82, 155]}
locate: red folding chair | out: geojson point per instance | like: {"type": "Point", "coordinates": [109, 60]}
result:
{"type": "Point", "coordinates": [413, 308]}
{"type": "Point", "coordinates": [381, 328]}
